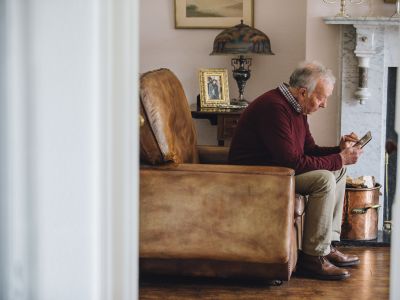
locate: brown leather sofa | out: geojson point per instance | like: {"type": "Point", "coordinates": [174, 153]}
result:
{"type": "Point", "coordinates": [200, 216]}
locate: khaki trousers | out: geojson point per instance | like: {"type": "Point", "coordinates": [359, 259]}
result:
{"type": "Point", "coordinates": [323, 211]}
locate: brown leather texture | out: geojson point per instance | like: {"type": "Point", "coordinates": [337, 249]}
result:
{"type": "Point", "coordinates": [250, 170]}
{"type": "Point", "coordinates": [292, 263]}
{"type": "Point", "coordinates": [216, 215]}
{"type": "Point", "coordinates": [360, 226]}
{"type": "Point", "coordinates": [213, 154]}
{"type": "Point", "coordinates": [341, 259]}
{"type": "Point", "coordinates": [150, 152]}
{"type": "Point", "coordinates": [320, 267]}
{"type": "Point", "coordinates": [223, 269]}
{"type": "Point", "coordinates": [168, 133]}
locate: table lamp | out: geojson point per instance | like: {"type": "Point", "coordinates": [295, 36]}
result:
{"type": "Point", "coordinates": [242, 40]}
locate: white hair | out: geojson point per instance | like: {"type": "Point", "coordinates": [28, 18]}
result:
{"type": "Point", "coordinates": [307, 74]}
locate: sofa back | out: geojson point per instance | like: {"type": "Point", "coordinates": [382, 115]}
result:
{"type": "Point", "coordinates": [168, 133]}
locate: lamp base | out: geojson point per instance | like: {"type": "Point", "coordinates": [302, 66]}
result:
{"type": "Point", "coordinates": [241, 73]}
{"type": "Point", "coordinates": [242, 103]}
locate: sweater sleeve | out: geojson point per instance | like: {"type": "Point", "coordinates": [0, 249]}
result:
{"type": "Point", "coordinates": [279, 140]}
{"type": "Point", "coordinates": [310, 148]}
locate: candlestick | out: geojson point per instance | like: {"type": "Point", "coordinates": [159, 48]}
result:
{"type": "Point", "coordinates": [342, 13]}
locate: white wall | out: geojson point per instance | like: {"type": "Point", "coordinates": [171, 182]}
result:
{"type": "Point", "coordinates": [185, 51]}
{"type": "Point", "coordinates": [323, 45]}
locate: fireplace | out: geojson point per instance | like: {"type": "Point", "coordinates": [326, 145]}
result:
{"type": "Point", "coordinates": [369, 57]}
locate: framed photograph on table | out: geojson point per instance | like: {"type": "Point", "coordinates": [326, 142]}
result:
{"type": "Point", "coordinates": [213, 13]}
{"type": "Point", "coordinates": [214, 89]}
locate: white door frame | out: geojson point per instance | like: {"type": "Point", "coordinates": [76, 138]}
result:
{"type": "Point", "coordinates": [15, 219]}
{"type": "Point", "coordinates": [118, 126]}
{"type": "Point", "coordinates": [115, 130]}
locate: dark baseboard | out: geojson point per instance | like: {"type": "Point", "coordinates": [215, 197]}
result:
{"type": "Point", "coordinates": [382, 240]}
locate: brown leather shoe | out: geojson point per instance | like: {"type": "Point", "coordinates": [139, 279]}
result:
{"type": "Point", "coordinates": [340, 259]}
{"type": "Point", "coordinates": [319, 267]}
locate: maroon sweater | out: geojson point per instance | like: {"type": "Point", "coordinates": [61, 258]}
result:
{"type": "Point", "coordinates": [271, 132]}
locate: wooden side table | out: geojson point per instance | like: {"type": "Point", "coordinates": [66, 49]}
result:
{"type": "Point", "coordinates": [225, 118]}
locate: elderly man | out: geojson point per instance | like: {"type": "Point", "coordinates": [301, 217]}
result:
{"type": "Point", "coordinates": [273, 130]}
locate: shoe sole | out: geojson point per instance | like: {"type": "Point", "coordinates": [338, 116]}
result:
{"type": "Point", "coordinates": [333, 277]}
{"type": "Point", "coordinates": [346, 264]}
{"type": "Point", "coordinates": [323, 277]}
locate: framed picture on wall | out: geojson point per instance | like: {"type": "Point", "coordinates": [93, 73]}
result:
{"type": "Point", "coordinates": [213, 13]}
{"type": "Point", "coordinates": [214, 89]}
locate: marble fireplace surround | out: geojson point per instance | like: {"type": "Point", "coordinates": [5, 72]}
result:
{"type": "Point", "coordinates": [369, 46]}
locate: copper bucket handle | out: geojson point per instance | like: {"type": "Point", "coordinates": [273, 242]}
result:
{"type": "Point", "coordinates": [363, 210]}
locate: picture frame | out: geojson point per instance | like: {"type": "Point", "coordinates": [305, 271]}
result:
{"type": "Point", "coordinates": [212, 13]}
{"type": "Point", "coordinates": [214, 88]}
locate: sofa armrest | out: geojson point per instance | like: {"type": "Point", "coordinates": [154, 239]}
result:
{"type": "Point", "coordinates": [213, 154]}
{"type": "Point", "coordinates": [217, 212]}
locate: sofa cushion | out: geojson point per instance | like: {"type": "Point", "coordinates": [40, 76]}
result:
{"type": "Point", "coordinates": [168, 133]}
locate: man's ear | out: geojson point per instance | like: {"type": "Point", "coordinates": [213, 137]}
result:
{"type": "Point", "coordinates": [303, 91]}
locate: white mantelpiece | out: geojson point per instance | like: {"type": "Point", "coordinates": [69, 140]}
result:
{"type": "Point", "coordinates": [377, 21]}
{"type": "Point", "coordinates": [366, 28]}
{"type": "Point", "coordinates": [369, 45]}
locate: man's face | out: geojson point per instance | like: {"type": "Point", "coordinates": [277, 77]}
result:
{"type": "Point", "coordinates": [318, 98]}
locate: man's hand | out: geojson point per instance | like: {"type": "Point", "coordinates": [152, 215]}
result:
{"type": "Point", "coordinates": [350, 155]}
{"type": "Point", "coordinates": [348, 140]}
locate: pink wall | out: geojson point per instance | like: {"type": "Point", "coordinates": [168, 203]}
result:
{"type": "Point", "coordinates": [185, 51]}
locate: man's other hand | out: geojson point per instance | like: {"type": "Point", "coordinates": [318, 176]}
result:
{"type": "Point", "coordinates": [348, 140]}
{"type": "Point", "coordinates": [350, 155]}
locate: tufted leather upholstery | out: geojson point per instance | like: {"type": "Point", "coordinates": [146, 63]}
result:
{"type": "Point", "coordinates": [208, 219]}
{"type": "Point", "coordinates": [168, 133]}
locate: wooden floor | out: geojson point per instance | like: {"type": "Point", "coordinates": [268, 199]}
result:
{"type": "Point", "coordinates": [369, 280]}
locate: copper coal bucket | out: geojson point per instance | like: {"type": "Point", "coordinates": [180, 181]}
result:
{"type": "Point", "coordinates": [360, 213]}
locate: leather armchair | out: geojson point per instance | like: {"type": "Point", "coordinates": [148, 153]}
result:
{"type": "Point", "coordinates": [200, 216]}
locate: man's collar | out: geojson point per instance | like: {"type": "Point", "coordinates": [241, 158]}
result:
{"type": "Point", "coordinates": [290, 98]}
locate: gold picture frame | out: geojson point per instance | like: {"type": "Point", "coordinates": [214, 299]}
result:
{"type": "Point", "coordinates": [213, 13]}
{"type": "Point", "coordinates": [214, 88]}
